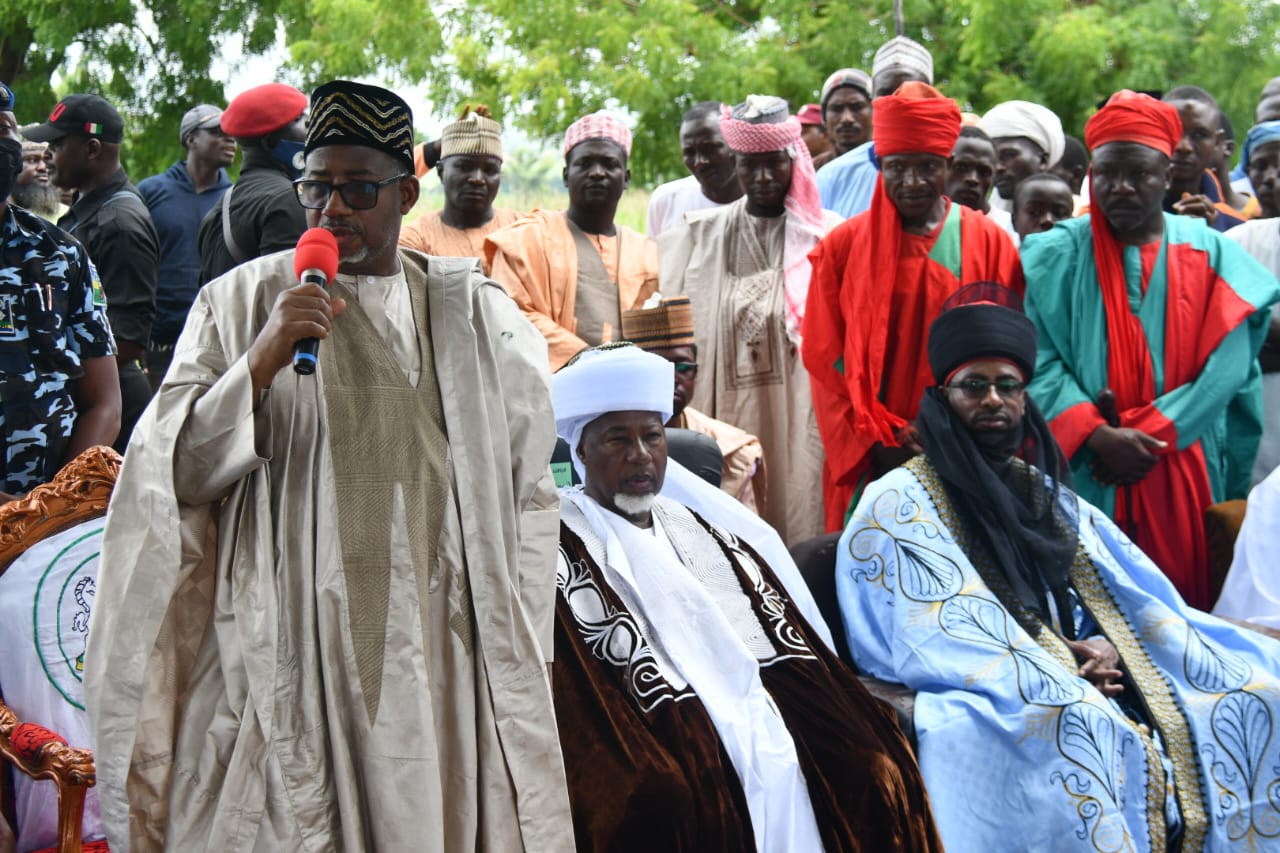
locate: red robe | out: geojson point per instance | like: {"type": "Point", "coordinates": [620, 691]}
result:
{"type": "Point", "coordinates": [867, 322]}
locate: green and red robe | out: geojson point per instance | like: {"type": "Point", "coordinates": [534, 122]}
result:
{"type": "Point", "coordinates": [1176, 337]}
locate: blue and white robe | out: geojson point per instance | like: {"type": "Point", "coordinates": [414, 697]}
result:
{"type": "Point", "coordinates": [1017, 751]}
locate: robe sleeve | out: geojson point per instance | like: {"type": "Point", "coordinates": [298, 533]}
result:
{"type": "Point", "coordinates": [222, 439]}
{"type": "Point", "coordinates": [823, 354]}
{"type": "Point", "coordinates": [530, 428]}
{"type": "Point", "coordinates": [1070, 408]}
{"type": "Point", "coordinates": [517, 260]}
{"type": "Point", "coordinates": [1183, 415]}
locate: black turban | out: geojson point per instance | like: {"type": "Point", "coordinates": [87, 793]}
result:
{"type": "Point", "coordinates": [981, 321]}
{"type": "Point", "coordinates": [347, 113]}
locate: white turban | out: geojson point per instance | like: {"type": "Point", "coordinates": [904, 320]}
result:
{"type": "Point", "coordinates": [616, 379]}
{"type": "Point", "coordinates": [1023, 118]}
{"type": "Point", "coordinates": [627, 379]}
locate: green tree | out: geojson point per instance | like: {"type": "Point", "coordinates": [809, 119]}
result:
{"type": "Point", "coordinates": [542, 63]}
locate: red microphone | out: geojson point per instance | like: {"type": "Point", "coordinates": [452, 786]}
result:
{"type": "Point", "coordinates": [315, 261]}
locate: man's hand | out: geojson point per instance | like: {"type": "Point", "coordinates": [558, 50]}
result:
{"type": "Point", "coordinates": [1099, 664]}
{"type": "Point", "coordinates": [885, 459]}
{"type": "Point", "coordinates": [1196, 205]}
{"type": "Point", "coordinates": [305, 311]}
{"type": "Point", "coordinates": [1124, 455]}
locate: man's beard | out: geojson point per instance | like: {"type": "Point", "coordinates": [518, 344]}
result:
{"type": "Point", "coordinates": [633, 506]}
{"type": "Point", "coordinates": [41, 199]}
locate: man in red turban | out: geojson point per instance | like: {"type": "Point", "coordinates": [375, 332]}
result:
{"type": "Point", "coordinates": [878, 281]}
{"type": "Point", "coordinates": [1150, 326]}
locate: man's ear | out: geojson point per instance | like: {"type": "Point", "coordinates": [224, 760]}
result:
{"type": "Point", "coordinates": [626, 179]}
{"type": "Point", "coordinates": [93, 148]}
{"type": "Point", "coordinates": [410, 189]}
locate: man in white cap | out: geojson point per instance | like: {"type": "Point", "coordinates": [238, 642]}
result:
{"type": "Point", "coordinates": [470, 169]}
{"type": "Point", "coordinates": [846, 112]}
{"type": "Point", "coordinates": [698, 708]}
{"type": "Point", "coordinates": [847, 183]}
{"type": "Point", "coordinates": [179, 199]}
{"type": "Point", "coordinates": [1028, 140]}
{"type": "Point", "coordinates": [746, 267]}
{"type": "Point", "coordinates": [574, 272]}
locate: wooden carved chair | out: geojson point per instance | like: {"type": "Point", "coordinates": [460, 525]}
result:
{"type": "Point", "coordinates": [66, 516]}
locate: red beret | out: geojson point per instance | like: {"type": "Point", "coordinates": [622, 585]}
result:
{"type": "Point", "coordinates": [262, 110]}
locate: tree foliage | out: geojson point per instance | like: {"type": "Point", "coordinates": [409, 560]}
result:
{"type": "Point", "coordinates": [542, 63]}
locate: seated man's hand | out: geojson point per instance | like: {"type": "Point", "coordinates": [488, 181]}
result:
{"type": "Point", "coordinates": [1124, 455]}
{"type": "Point", "coordinates": [1099, 664]}
{"type": "Point", "coordinates": [1196, 205]}
{"type": "Point", "coordinates": [885, 459]}
{"type": "Point", "coordinates": [305, 311]}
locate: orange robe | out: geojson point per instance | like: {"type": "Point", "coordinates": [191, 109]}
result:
{"type": "Point", "coordinates": [742, 474]}
{"type": "Point", "coordinates": [429, 235]}
{"type": "Point", "coordinates": [536, 260]}
{"type": "Point", "coordinates": [864, 341]}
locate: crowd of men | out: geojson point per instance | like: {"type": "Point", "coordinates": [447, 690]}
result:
{"type": "Point", "coordinates": [1000, 372]}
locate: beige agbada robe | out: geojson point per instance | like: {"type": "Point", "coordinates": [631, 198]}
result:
{"type": "Point", "coordinates": [749, 373]}
{"type": "Point", "coordinates": [225, 695]}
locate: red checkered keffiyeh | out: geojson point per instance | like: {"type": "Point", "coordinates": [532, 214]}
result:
{"type": "Point", "coordinates": [804, 208]}
{"type": "Point", "coordinates": [598, 125]}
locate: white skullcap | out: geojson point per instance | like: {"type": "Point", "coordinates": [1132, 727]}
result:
{"type": "Point", "coordinates": [618, 378]}
{"type": "Point", "coordinates": [1023, 118]}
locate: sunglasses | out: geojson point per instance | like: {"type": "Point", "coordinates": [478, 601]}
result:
{"type": "Point", "coordinates": [978, 389]}
{"type": "Point", "coordinates": [689, 367]}
{"type": "Point", "coordinates": [357, 195]}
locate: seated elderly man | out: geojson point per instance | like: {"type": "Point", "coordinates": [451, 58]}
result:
{"type": "Point", "coordinates": [1067, 697]}
{"type": "Point", "coordinates": [698, 708]}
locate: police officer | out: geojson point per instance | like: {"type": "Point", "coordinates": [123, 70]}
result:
{"type": "Point", "coordinates": [109, 217]}
{"type": "Point", "coordinates": [58, 389]}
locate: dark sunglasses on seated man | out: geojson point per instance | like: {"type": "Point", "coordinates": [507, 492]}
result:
{"type": "Point", "coordinates": [978, 389]}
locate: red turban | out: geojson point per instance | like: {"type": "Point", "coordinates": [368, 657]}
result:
{"type": "Point", "coordinates": [1131, 117]}
{"type": "Point", "coordinates": [916, 119]}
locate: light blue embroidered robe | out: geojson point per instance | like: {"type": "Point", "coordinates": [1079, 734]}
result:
{"type": "Point", "coordinates": [1017, 751]}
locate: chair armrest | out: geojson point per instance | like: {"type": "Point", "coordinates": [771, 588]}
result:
{"type": "Point", "coordinates": [42, 754]}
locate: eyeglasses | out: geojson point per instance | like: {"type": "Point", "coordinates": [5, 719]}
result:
{"type": "Point", "coordinates": [357, 195]}
{"type": "Point", "coordinates": [689, 367]}
{"type": "Point", "coordinates": [978, 389]}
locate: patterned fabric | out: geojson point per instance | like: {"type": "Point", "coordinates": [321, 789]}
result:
{"type": "Point", "coordinates": [475, 132]}
{"type": "Point", "coordinates": [346, 113]}
{"type": "Point", "coordinates": [1132, 117]}
{"type": "Point", "coordinates": [667, 324]}
{"type": "Point", "coordinates": [1012, 742]}
{"type": "Point", "coordinates": [28, 739]}
{"type": "Point", "coordinates": [760, 124]}
{"type": "Point", "coordinates": [903, 54]}
{"type": "Point", "coordinates": [52, 318]}
{"type": "Point", "coordinates": [598, 125]}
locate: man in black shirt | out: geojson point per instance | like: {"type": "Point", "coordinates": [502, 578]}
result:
{"type": "Point", "coordinates": [84, 133]}
{"type": "Point", "coordinates": [260, 214]}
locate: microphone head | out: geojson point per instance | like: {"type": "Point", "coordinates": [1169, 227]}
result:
{"type": "Point", "coordinates": [317, 250]}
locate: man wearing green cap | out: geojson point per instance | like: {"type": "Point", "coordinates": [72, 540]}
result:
{"type": "Point", "coordinates": [357, 661]}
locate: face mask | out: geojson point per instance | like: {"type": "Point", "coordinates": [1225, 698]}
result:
{"type": "Point", "coordinates": [10, 164]}
{"type": "Point", "coordinates": [290, 154]}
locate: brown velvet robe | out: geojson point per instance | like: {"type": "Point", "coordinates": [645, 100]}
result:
{"type": "Point", "coordinates": [645, 766]}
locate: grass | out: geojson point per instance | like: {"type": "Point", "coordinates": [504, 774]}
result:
{"type": "Point", "coordinates": [632, 210]}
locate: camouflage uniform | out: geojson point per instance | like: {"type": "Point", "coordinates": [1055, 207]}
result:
{"type": "Point", "coordinates": [52, 317]}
